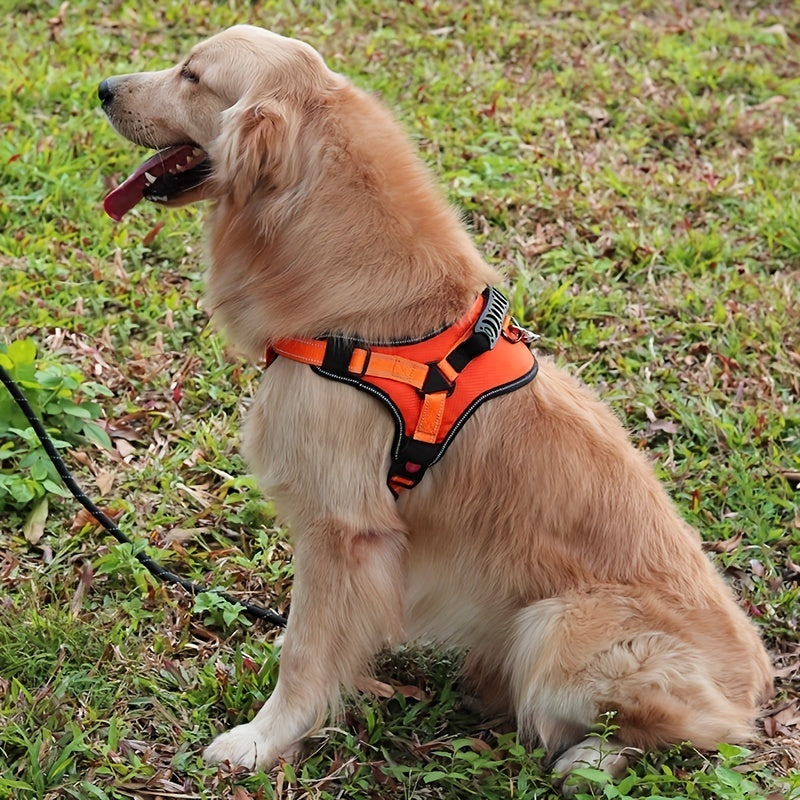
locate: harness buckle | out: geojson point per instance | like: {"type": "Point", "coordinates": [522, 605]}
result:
{"type": "Point", "coordinates": [338, 357]}
{"type": "Point", "coordinates": [360, 373]}
{"type": "Point", "coordinates": [436, 380]}
{"type": "Point", "coordinates": [338, 353]}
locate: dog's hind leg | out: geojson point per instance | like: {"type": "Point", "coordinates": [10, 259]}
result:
{"type": "Point", "coordinates": [577, 657]}
{"type": "Point", "coordinates": [346, 604]}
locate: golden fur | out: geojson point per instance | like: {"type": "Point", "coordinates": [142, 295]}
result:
{"type": "Point", "coordinates": [542, 544]}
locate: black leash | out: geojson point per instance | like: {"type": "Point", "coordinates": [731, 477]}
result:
{"type": "Point", "coordinates": [153, 567]}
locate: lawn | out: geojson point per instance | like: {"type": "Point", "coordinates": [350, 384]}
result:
{"type": "Point", "coordinates": [631, 168]}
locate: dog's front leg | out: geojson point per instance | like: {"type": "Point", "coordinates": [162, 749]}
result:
{"type": "Point", "coordinates": [347, 602]}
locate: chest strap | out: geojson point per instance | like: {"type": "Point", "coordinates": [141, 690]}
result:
{"type": "Point", "coordinates": [430, 386]}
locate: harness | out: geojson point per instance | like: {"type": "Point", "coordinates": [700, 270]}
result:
{"type": "Point", "coordinates": [431, 385]}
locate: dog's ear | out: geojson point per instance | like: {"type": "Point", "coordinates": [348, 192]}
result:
{"type": "Point", "coordinates": [252, 151]}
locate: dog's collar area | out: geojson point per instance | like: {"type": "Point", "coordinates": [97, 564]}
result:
{"type": "Point", "coordinates": [431, 386]}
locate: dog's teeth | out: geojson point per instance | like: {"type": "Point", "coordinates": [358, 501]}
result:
{"type": "Point", "coordinates": [149, 178]}
{"type": "Point", "coordinates": [197, 151]}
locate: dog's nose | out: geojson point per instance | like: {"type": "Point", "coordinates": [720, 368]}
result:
{"type": "Point", "coordinates": [105, 92]}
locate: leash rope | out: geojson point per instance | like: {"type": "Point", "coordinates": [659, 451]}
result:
{"type": "Point", "coordinates": [152, 566]}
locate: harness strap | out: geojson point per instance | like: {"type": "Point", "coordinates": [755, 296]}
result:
{"type": "Point", "coordinates": [348, 358]}
{"type": "Point", "coordinates": [435, 403]}
{"type": "Point", "coordinates": [362, 360]}
{"type": "Point", "coordinates": [430, 418]}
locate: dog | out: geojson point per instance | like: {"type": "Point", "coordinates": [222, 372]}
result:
{"type": "Point", "coordinates": [541, 543]}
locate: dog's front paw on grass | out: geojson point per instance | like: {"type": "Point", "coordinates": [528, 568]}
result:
{"type": "Point", "coordinates": [592, 753]}
{"type": "Point", "coordinates": [243, 746]}
{"type": "Point", "coordinates": [246, 747]}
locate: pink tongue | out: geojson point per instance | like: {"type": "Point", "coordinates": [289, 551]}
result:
{"type": "Point", "coordinates": [178, 158]}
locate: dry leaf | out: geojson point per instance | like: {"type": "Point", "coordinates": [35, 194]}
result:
{"type": "Point", "coordinates": [84, 518]}
{"type": "Point", "coordinates": [104, 480]}
{"type": "Point", "coordinates": [7, 566]}
{"type": "Point", "coordinates": [663, 425]}
{"type": "Point", "coordinates": [789, 716]}
{"type": "Point", "coordinates": [81, 520]}
{"type": "Point", "coordinates": [479, 745]}
{"type": "Point", "coordinates": [34, 524]}
{"type": "Point", "coordinates": [81, 457]}
{"type": "Point", "coordinates": [413, 691]}
{"type": "Point", "coordinates": [757, 568]}
{"type": "Point", "coordinates": [124, 448]}
{"type": "Point", "coordinates": [85, 578]}
{"type": "Point", "coordinates": [119, 430]}
{"type": "Point", "coordinates": [374, 687]}
{"type": "Point", "coordinates": [181, 535]}
{"type": "Point", "coordinates": [152, 233]}
{"type": "Point", "coordinates": [787, 671]}
{"type": "Point", "coordinates": [725, 545]}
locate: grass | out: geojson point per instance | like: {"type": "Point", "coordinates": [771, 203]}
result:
{"type": "Point", "coordinates": [632, 170]}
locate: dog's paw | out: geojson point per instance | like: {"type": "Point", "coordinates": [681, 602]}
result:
{"type": "Point", "coordinates": [243, 746]}
{"type": "Point", "coordinates": [608, 756]}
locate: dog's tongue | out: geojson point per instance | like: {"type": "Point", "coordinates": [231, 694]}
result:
{"type": "Point", "coordinates": [174, 159]}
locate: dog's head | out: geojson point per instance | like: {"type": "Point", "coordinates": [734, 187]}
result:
{"type": "Point", "coordinates": [219, 118]}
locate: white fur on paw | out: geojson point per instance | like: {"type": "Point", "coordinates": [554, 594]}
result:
{"type": "Point", "coordinates": [243, 746]}
{"type": "Point", "coordinates": [595, 753]}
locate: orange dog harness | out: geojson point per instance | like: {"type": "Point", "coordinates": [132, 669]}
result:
{"type": "Point", "coordinates": [432, 385]}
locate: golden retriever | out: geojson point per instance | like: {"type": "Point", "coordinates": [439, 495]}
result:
{"type": "Point", "coordinates": [541, 544]}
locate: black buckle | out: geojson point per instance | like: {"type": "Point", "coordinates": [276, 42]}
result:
{"type": "Point", "coordinates": [363, 371]}
{"type": "Point", "coordinates": [338, 353]}
{"type": "Point", "coordinates": [420, 454]}
{"type": "Point", "coordinates": [410, 463]}
{"type": "Point", "coordinates": [435, 381]}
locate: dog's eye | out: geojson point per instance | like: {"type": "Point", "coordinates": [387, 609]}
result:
{"type": "Point", "coordinates": [188, 75]}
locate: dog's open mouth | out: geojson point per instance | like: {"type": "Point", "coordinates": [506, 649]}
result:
{"type": "Point", "coordinates": [163, 177]}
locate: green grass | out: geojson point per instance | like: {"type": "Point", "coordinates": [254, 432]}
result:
{"type": "Point", "coordinates": [631, 168]}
